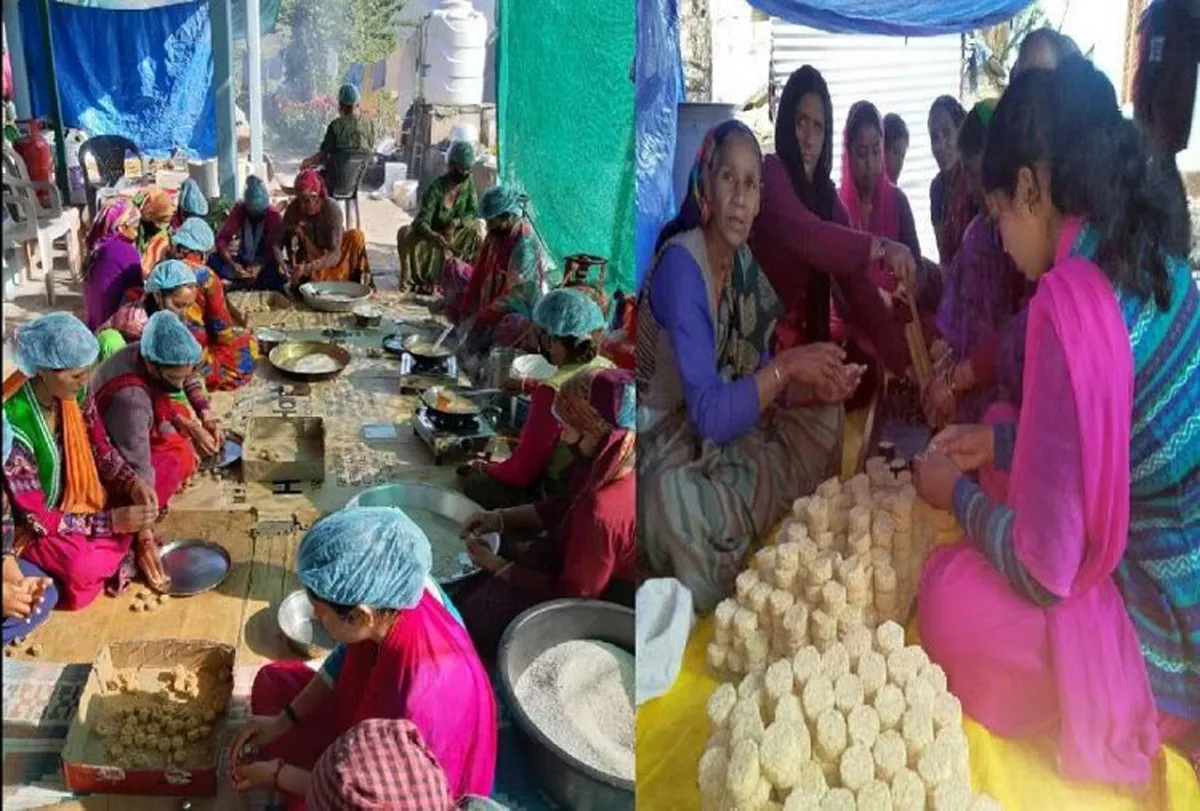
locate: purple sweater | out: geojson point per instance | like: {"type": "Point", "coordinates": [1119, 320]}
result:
{"type": "Point", "coordinates": [114, 268]}
{"type": "Point", "coordinates": [720, 410]}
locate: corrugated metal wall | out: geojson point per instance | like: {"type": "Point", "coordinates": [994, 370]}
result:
{"type": "Point", "coordinates": [898, 75]}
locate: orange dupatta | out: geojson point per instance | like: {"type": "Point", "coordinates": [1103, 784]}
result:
{"type": "Point", "coordinates": [82, 490]}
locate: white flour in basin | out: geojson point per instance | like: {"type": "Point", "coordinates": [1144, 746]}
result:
{"type": "Point", "coordinates": [580, 695]}
{"type": "Point", "coordinates": [316, 365]}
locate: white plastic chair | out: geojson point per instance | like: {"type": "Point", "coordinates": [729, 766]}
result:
{"type": "Point", "coordinates": [53, 221]}
{"type": "Point", "coordinates": [20, 232]}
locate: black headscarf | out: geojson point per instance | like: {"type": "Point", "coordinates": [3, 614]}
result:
{"type": "Point", "coordinates": [819, 194]}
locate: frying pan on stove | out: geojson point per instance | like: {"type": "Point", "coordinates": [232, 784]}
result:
{"type": "Point", "coordinates": [421, 348]}
{"type": "Point", "coordinates": [449, 409]}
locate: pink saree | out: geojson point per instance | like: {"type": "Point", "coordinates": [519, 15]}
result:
{"type": "Point", "coordinates": [1074, 670]}
{"type": "Point", "coordinates": [426, 671]}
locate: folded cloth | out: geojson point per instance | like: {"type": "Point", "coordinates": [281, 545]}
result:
{"type": "Point", "coordinates": [664, 622]}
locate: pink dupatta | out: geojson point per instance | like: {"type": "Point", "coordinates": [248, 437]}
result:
{"type": "Point", "coordinates": [427, 671]}
{"type": "Point", "coordinates": [885, 208]}
{"type": "Point", "coordinates": [1071, 542]}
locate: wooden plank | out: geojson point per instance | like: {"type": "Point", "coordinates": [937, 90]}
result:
{"type": "Point", "coordinates": [77, 636]}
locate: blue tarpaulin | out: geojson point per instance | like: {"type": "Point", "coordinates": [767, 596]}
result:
{"type": "Point", "coordinates": [145, 74]}
{"type": "Point", "coordinates": [659, 72]}
{"type": "Point", "coordinates": [922, 18]}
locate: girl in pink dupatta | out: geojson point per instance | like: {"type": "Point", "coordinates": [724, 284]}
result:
{"type": "Point", "coordinates": [403, 654]}
{"type": "Point", "coordinates": [875, 204]}
{"type": "Point", "coordinates": [1038, 615]}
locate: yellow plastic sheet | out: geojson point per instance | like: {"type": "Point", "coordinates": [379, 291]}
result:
{"type": "Point", "coordinates": [672, 731]}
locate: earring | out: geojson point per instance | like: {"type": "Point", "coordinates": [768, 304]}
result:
{"type": "Point", "coordinates": [705, 213]}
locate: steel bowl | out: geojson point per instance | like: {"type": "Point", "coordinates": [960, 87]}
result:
{"type": "Point", "coordinates": [334, 297]}
{"type": "Point", "coordinates": [301, 628]}
{"type": "Point", "coordinates": [572, 782]}
{"type": "Point", "coordinates": [268, 338]}
{"type": "Point", "coordinates": [367, 316]}
{"type": "Point", "coordinates": [418, 495]}
{"type": "Point", "coordinates": [285, 358]}
{"type": "Point", "coordinates": [194, 566]}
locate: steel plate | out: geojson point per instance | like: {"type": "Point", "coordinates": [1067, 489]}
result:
{"type": "Point", "coordinates": [194, 566]}
{"type": "Point", "coordinates": [286, 357]}
{"type": "Point", "coordinates": [301, 628]}
{"type": "Point", "coordinates": [232, 454]}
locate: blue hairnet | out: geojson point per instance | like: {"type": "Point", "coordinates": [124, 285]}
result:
{"type": "Point", "coordinates": [55, 341]}
{"type": "Point", "coordinates": [192, 202]}
{"type": "Point", "coordinates": [499, 200]}
{"type": "Point", "coordinates": [461, 154]}
{"type": "Point", "coordinates": [258, 199]}
{"type": "Point", "coordinates": [373, 556]}
{"type": "Point", "coordinates": [568, 313]}
{"type": "Point", "coordinates": [169, 275]}
{"type": "Point", "coordinates": [348, 94]}
{"type": "Point", "coordinates": [8, 441]}
{"type": "Point", "coordinates": [195, 235]}
{"type": "Point", "coordinates": [167, 342]}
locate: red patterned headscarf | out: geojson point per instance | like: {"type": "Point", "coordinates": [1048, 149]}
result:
{"type": "Point", "coordinates": [604, 402]}
{"type": "Point", "coordinates": [380, 763]}
{"type": "Point", "coordinates": [309, 181]}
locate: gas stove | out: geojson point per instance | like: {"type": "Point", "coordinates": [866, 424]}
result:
{"type": "Point", "coordinates": [416, 376]}
{"type": "Point", "coordinates": [453, 442]}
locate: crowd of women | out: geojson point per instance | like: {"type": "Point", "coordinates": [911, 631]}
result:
{"type": "Point", "coordinates": [107, 419]}
{"type": "Point", "coordinates": [1069, 608]}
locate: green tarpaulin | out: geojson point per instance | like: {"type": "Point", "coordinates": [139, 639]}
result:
{"type": "Point", "coordinates": [564, 93]}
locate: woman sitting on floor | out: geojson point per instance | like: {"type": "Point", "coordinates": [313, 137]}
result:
{"type": "Point", "coordinates": [230, 354]}
{"type": "Point", "coordinates": [567, 322]}
{"type": "Point", "coordinates": [446, 226]}
{"type": "Point", "coordinates": [171, 287]}
{"type": "Point", "coordinates": [580, 544]}
{"type": "Point", "coordinates": [134, 395]}
{"type": "Point", "coordinates": [113, 265]}
{"type": "Point", "coordinates": [496, 297]}
{"type": "Point", "coordinates": [318, 246]}
{"type": "Point", "coordinates": [70, 488]}
{"type": "Point", "coordinates": [190, 202]}
{"type": "Point", "coordinates": [402, 653]}
{"type": "Point", "coordinates": [154, 237]}
{"type": "Point", "coordinates": [29, 595]}
{"type": "Point", "coordinates": [377, 763]}
{"type": "Point", "coordinates": [721, 454]}
{"type": "Point", "coordinates": [979, 317]}
{"type": "Point", "coordinates": [258, 231]}
{"type": "Point", "coordinates": [1070, 608]}
{"type": "Point", "coordinates": [802, 235]}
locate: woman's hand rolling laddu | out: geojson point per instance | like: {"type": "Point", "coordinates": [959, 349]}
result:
{"type": "Point", "coordinates": [813, 364]}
